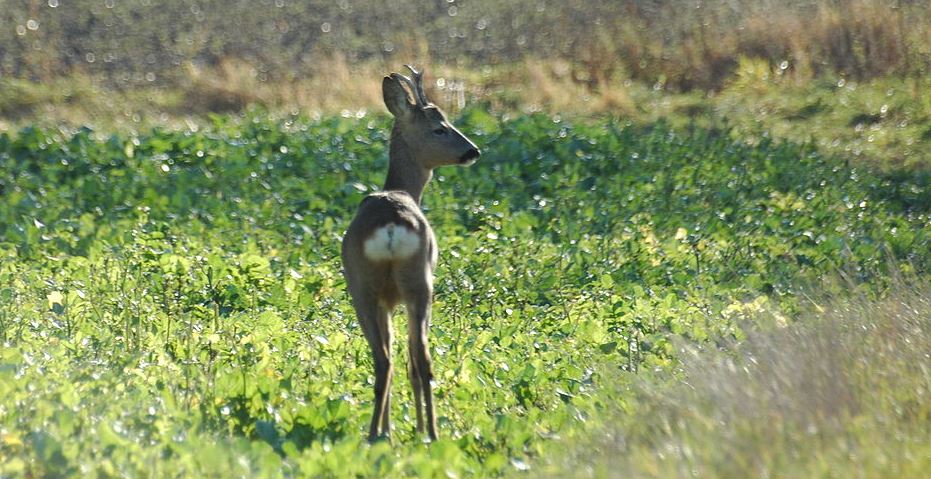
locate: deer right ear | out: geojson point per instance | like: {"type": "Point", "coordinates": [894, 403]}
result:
{"type": "Point", "coordinates": [397, 99]}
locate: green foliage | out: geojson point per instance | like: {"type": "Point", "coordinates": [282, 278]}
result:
{"type": "Point", "coordinates": [171, 303]}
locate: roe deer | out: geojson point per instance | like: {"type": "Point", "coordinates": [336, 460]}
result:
{"type": "Point", "coordinates": [389, 251]}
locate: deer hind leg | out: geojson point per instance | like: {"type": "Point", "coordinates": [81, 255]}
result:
{"type": "Point", "coordinates": [375, 324]}
{"type": "Point", "coordinates": [384, 323]}
{"type": "Point", "coordinates": [414, 375]}
{"type": "Point", "coordinates": [419, 325]}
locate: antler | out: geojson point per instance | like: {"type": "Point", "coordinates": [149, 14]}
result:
{"type": "Point", "coordinates": [415, 85]}
{"type": "Point", "coordinates": [418, 84]}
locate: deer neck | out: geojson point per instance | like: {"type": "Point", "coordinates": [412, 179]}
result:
{"type": "Point", "coordinates": [404, 173]}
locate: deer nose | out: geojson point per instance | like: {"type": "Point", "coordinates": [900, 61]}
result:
{"type": "Point", "coordinates": [470, 155]}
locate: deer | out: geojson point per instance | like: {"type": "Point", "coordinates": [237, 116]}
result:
{"type": "Point", "coordinates": [389, 251]}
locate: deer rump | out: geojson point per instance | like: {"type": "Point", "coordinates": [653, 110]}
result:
{"type": "Point", "coordinates": [391, 242]}
{"type": "Point", "coordinates": [396, 230]}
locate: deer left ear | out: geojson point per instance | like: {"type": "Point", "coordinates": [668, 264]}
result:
{"type": "Point", "coordinates": [397, 98]}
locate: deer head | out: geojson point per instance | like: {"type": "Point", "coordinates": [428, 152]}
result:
{"type": "Point", "coordinates": [428, 136]}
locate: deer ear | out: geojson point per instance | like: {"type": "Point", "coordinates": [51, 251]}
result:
{"type": "Point", "coordinates": [397, 99]}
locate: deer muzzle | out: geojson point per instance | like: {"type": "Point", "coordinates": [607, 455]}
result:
{"type": "Point", "coordinates": [470, 155]}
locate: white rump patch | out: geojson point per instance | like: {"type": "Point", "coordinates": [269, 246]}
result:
{"type": "Point", "coordinates": [391, 242]}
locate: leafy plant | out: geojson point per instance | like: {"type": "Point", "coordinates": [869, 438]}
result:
{"type": "Point", "coordinates": [171, 303]}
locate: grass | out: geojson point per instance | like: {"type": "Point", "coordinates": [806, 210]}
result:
{"type": "Point", "coordinates": [844, 392]}
{"type": "Point", "coordinates": [883, 123]}
{"type": "Point", "coordinates": [625, 280]}
{"type": "Point", "coordinates": [171, 301]}
{"type": "Point", "coordinates": [763, 68]}
{"type": "Point", "coordinates": [136, 43]}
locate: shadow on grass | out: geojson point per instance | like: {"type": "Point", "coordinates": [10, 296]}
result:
{"type": "Point", "coordinates": [317, 421]}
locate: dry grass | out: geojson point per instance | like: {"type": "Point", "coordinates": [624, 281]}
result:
{"type": "Point", "coordinates": [694, 48]}
{"type": "Point", "coordinates": [859, 39]}
{"type": "Point", "coordinates": [846, 392]}
{"type": "Point", "coordinates": [596, 59]}
{"type": "Point", "coordinates": [234, 85]}
{"type": "Point", "coordinates": [335, 86]}
{"type": "Point", "coordinates": [531, 85]}
{"type": "Point", "coordinates": [554, 86]}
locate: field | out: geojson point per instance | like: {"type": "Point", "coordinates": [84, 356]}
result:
{"type": "Point", "coordinates": [171, 302]}
{"type": "Point", "coordinates": [850, 75]}
{"type": "Point", "coordinates": [697, 243]}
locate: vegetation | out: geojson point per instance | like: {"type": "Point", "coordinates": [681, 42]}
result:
{"type": "Point", "coordinates": [697, 46]}
{"type": "Point", "coordinates": [843, 393]}
{"type": "Point", "coordinates": [697, 241]}
{"type": "Point", "coordinates": [882, 123]}
{"type": "Point", "coordinates": [851, 76]}
{"type": "Point", "coordinates": [171, 302]}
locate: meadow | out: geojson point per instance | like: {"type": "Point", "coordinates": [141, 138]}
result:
{"type": "Point", "coordinates": [851, 76]}
{"type": "Point", "coordinates": [171, 302]}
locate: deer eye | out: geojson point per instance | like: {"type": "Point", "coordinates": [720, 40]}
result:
{"type": "Point", "coordinates": [439, 131]}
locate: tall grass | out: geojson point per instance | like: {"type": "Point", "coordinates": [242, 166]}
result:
{"type": "Point", "coordinates": [846, 392]}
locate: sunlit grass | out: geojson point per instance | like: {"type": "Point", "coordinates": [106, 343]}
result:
{"type": "Point", "coordinates": [844, 392]}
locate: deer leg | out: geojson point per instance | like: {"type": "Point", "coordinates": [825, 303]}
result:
{"type": "Point", "coordinates": [387, 341]}
{"type": "Point", "coordinates": [414, 376]}
{"type": "Point", "coordinates": [420, 353]}
{"type": "Point", "coordinates": [374, 321]}
{"type": "Point", "coordinates": [383, 370]}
